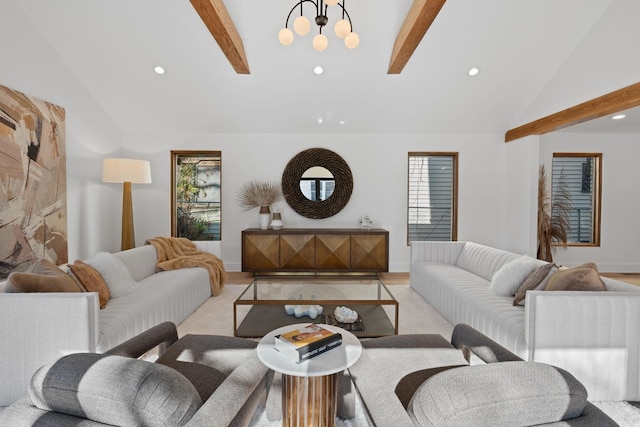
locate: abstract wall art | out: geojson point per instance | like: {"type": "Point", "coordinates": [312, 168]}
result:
{"type": "Point", "coordinates": [33, 191]}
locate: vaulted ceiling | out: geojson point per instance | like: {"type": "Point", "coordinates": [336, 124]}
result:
{"type": "Point", "coordinates": [408, 75]}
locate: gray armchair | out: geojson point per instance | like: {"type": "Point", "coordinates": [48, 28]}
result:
{"type": "Point", "coordinates": [429, 387]}
{"type": "Point", "coordinates": [198, 380]}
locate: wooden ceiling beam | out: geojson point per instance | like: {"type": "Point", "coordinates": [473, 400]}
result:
{"type": "Point", "coordinates": [215, 16]}
{"type": "Point", "coordinates": [614, 102]}
{"type": "Point", "coordinates": [415, 26]}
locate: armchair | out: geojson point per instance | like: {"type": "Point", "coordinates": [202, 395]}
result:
{"type": "Point", "coordinates": [220, 380]}
{"type": "Point", "coordinates": [429, 385]}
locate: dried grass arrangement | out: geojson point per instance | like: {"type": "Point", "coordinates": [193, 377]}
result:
{"type": "Point", "coordinates": [553, 216]}
{"type": "Point", "coordinates": [255, 193]}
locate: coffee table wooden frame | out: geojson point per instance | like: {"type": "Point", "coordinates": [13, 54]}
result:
{"type": "Point", "coordinates": [329, 304]}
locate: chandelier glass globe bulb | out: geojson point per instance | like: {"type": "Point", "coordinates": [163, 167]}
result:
{"type": "Point", "coordinates": [342, 28]}
{"type": "Point", "coordinates": [285, 36]}
{"type": "Point", "coordinates": [331, 2]}
{"type": "Point", "coordinates": [301, 25]}
{"type": "Point", "coordinates": [352, 40]}
{"type": "Point", "coordinates": [320, 42]}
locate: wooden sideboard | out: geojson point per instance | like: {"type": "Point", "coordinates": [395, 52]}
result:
{"type": "Point", "coordinates": [336, 250]}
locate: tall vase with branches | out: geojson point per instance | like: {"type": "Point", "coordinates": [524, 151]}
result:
{"type": "Point", "coordinates": [260, 194]}
{"type": "Point", "coordinates": [553, 215]}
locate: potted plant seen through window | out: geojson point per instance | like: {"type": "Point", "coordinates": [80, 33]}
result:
{"type": "Point", "coordinates": [262, 194]}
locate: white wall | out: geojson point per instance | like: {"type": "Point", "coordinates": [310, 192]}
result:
{"type": "Point", "coordinates": [521, 178]}
{"type": "Point", "coordinates": [497, 182]}
{"type": "Point", "coordinates": [32, 67]}
{"type": "Point", "coordinates": [620, 230]}
{"type": "Point", "coordinates": [379, 167]}
{"type": "Point", "coordinates": [598, 65]}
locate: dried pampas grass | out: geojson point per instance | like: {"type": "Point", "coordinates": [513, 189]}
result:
{"type": "Point", "coordinates": [254, 194]}
{"type": "Point", "coordinates": [553, 216]}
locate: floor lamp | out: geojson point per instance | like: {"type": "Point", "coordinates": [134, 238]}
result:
{"type": "Point", "coordinates": [126, 171]}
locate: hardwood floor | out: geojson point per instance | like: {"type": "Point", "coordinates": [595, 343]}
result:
{"type": "Point", "coordinates": [633, 278]}
{"type": "Point", "coordinates": [239, 278]}
{"type": "Point", "coordinates": [402, 278]}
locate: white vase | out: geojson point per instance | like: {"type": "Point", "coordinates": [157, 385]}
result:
{"type": "Point", "coordinates": [265, 217]}
{"type": "Point", "coordinates": [276, 222]}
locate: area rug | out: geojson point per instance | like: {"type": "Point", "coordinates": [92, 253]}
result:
{"type": "Point", "coordinates": [215, 316]}
{"type": "Point", "coordinates": [416, 316]}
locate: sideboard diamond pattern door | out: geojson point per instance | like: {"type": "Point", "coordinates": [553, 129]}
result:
{"type": "Point", "coordinates": [332, 252]}
{"type": "Point", "coordinates": [297, 252]}
{"type": "Point", "coordinates": [260, 252]}
{"type": "Point", "coordinates": [368, 252]}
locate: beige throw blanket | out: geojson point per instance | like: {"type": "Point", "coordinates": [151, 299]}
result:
{"type": "Point", "coordinates": [178, 252]}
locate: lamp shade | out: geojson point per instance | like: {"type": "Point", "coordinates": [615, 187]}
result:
{"type": "Point", "coordinates": [342, 28]}
{"type": "Point", "coordinates": [352, 40]}
{"type": "Point", "coordinates": [126, 170]}
{"type": "Point", "coordinates": [301, 25]}
{"type": "Point", "coordinates": [320, 42]}
{"type": "Point", "coordinates": [285, 36]}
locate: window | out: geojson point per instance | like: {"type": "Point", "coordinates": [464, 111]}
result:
{"type": "Point", "coordinates": [432, 205]}
{"type": "Point", "coordinates": [317, 183]}
{"type": "Point", "coordinates": [578, 176]}
{"type": "Point", "coordinates": [195, 194]}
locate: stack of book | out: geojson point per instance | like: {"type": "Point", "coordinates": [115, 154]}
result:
{"type": "Point", "coordinates": [309, 341]}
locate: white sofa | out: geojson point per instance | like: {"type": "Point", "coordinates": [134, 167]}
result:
{"type": "Point", "coordinates": [36, 328]}
{"type": "Point", "coordinates": [594, 335]}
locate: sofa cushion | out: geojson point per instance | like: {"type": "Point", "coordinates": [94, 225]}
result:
{"type": "Point", "coordinates": [536, 280]}
{"type": "Point", "coordinates": [42, 276]}
{"type": "Point", "coordinates": [142, 261]}
{"type": "Point", "coordinates": [114, 272]}
{"type": "Point", "coordinates": [91, 280]}
{"type": "Point", "coordinates": [206, 379]}
{"type": "Point", "coordinates": [522, 393]}
{"type": "Point", "coordinates": [482, 260]}
{"type": "Point", "coordinates": [115, 390]}
{"type": "Point", "coordinates": [582, 278]}
{"type": "Point", "coordinates": [508, 279]}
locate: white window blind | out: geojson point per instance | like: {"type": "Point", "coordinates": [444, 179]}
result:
{"type": "Point", "coordinates": [579, 175]}
{"type": "Point", "coordinates": [431, 204]}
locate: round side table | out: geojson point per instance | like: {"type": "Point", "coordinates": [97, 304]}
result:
{"type": "Point", "coordinates": [309, 388]}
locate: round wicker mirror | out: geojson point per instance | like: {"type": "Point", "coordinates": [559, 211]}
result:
{"type": "Point", "coordinates": [298, 165]}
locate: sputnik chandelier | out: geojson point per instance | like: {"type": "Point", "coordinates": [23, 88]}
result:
{"type": "Point", "coordinates": [301, 25]}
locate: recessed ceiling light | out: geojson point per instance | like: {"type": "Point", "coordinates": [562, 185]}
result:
{"type": "Point", "coordinates": [158, 69]}
{"type": "Point", "coordinates": [473, 71]}
{"type": "Point", "coordinates": [342, 122]}
{"type": "Point", "coordinates": [317, 70]}
{"type": "Point", "coordinates": [619, 116]}
{"type": "Point", "coordinates": [320, 120]}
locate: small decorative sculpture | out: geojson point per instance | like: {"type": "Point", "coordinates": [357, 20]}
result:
{"type": "Point", "coordinates": [365, 222]}
{"type": "Point", "coordinates": [304, 310]}
{"type": "Point", "coordinates": [345, 315]}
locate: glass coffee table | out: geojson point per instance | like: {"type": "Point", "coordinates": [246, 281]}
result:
{"type": "Point", "coordinates": [261, 307]}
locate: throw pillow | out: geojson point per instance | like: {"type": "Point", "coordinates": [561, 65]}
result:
{"type": "Point", "coordinates": [42, 276]}
{"type": "Point", "coordinates": [582, 278]}
{"type": "Point", "coordinates": [521, 393]}
{"type": "Point", "coordinates": [91, 280]}
{"type": "Point", "coordinates": [509, 278]}
{"type": "Point", "coordinates": [115, 390]}
{"type": "Point", "coordinates": [114, 272]}
{"type": "Point", "coordinates": [536, 280]}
